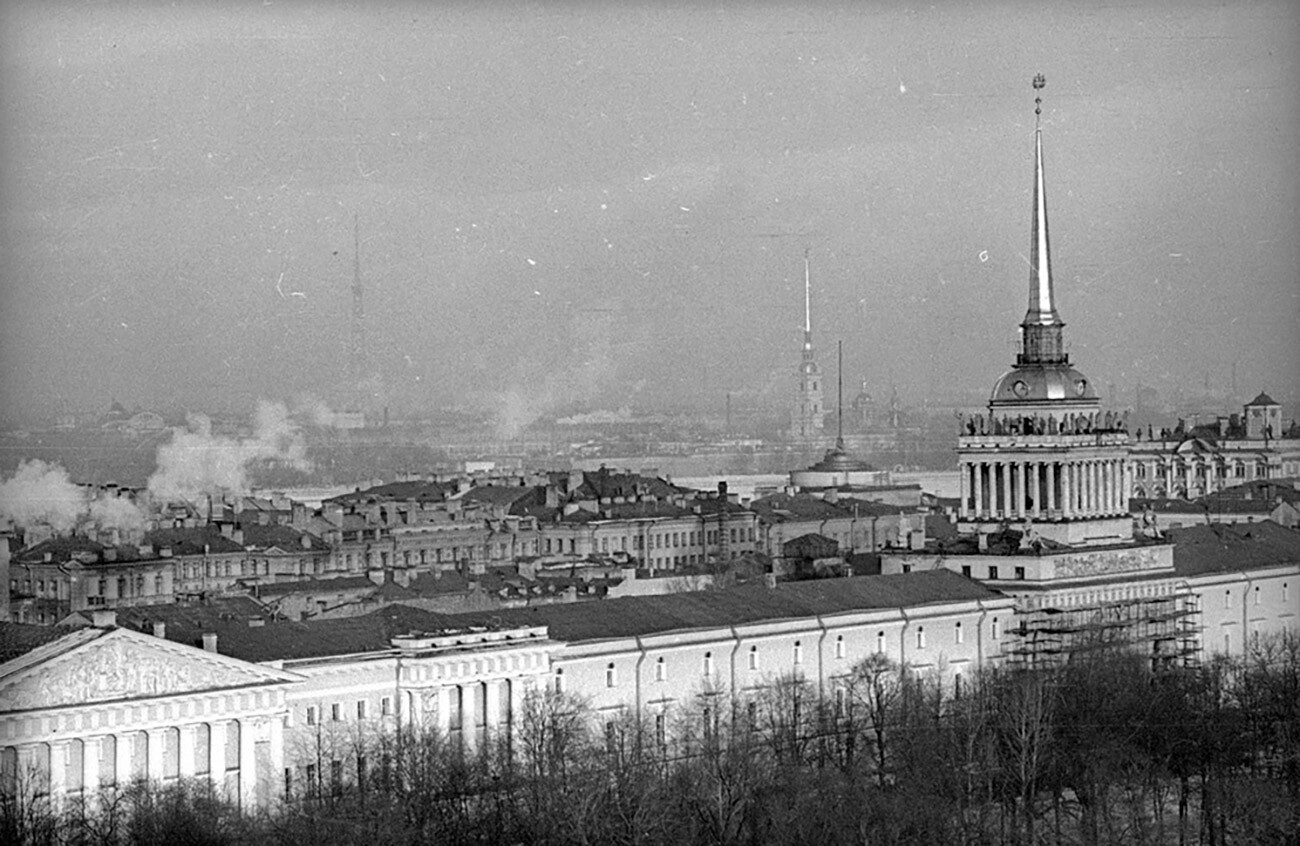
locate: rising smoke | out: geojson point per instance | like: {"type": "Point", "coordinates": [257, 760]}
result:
{"type": "Point", "coordinates": [194, 463]}
{"type": "Point", "coordinates": [197, 461]}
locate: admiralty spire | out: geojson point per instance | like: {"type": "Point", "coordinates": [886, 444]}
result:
{"type": "Point", "coordinates": [1045, 452]}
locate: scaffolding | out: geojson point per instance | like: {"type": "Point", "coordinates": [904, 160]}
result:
{"type": "Point", "coordinates": [1164, 627]}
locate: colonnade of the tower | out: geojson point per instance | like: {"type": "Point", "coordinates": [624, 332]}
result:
{"type": "Point", "coordinates": [1008, 488]}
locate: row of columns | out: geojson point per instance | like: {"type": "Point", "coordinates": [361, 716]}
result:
{"type": "Point", "coordinates": [1014, 490]}
{"type": "Point", "coordinates": [115, 760]}
{"type": "Point", "coordinates": [466, 708]}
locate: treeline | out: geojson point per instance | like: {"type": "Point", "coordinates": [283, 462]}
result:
{"type": "Point", "coordinates": [1102, 750]}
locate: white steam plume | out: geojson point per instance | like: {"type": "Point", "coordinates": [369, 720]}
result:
{"type": "Point", "coordinates": [41, 494]}
{"type": "Point", "coordinates": [197, 462]}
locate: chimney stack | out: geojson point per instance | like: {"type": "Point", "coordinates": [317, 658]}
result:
{"type": "Point", "coordinates": [103, 618]}
{"type": "Point", "coordinates": [209, 641]}
{"type": "Point", "coordinates": [160, 630]}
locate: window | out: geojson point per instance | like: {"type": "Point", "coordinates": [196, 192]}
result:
{"type": "Point", "coordinates": [956, 685]}
{"type": "Point", "coordinates": [559, 680]}
{"type": "Point", "coordinates": [361, 709]}
{"type": "Point", "coordinates": [1227, 599]}
{"type": "Point", "coordinates": [1286, 594]}
{"type": "Point", "coordinates": [993, 571]}
{"type": "Point", "coordinates": [336, 777]}
{"type": "Point", "coordinates": [661, 730]}
{"type": "Point", "coordinates": [753, 657]}
{"type": "Point", "coordinates": [961, 636]}
{"type": "Point", "coordinates": [996, 630]}
{"type": "Point", "coordinates": [708, 663]}
{"type": "Point", "coordinates": [1020, 573]}
{"type": "Point", "coordinates": [311, 715]}
{"type": "Point", "coordinates": [839, 646]}
{"type": "Point", "coordinates": [1227, 641]}
{"type": "Point", "coordinates": [880, 642]}
{"type": "Point", "coordinates": [1256, 594]}
{"type": "Point", "coordinates": [336, 712]}
{"type": "Point", "coordinates": [920, 637]}
{"type": "Point", "coordinates": [798, 652]}
{"type": "Point", "coordinates": [386, 706]}
{"type": "Point", "coordinates": [611, 676]}
{"type": "Point", "coordinates": [965, 570]}
{"type": "Point", "coordinates": [611, 736]}
{"type": "Point", "coordinates": [661, 670]}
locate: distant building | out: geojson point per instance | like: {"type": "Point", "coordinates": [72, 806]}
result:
{"type": "Point", "coordinates": [1191, 461]}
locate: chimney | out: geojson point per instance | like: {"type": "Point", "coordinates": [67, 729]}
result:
{"type": "Point", "coordinates": [916, 540]}
{"type": "Point", "coordinates": [722, 490]}
{"type": "Point", "coordinates": [552, 497]}
{"type": "Point", "coordinates": [769, 579]}
{"type": "Point", "coordinates": [103, 618]}
{"type": "Point", "coordinates": [209, 641]}
{"type": "Point", "coordinates": [305, 540]}
{"type": "Point", "coordinates": [832, 495]}
{"type": "Point", "coordinates": [160, 630]}
{"type": "Point", "coordinates": [227, 529]}
{"type": "Point", "coordinates": [237, 535]}
{"type": "Point", "coordinates": [575, 480]}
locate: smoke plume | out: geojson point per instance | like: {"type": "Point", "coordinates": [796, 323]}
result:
{"type": "Point", "coordinates": [41, 494]}
{"type": "Point", "coordinates": [197, 461]}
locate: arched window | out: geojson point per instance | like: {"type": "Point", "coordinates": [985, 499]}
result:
{"type": "Point", "coordinates": [798, 652]}
{"type": "Point", "coordinates": [661, 670]}
{"type": "Point", "coordinates": [708, 663]}
{"type": "Point", "coordinates": [839, 646]}
{"type": "Point", "coordinates": [559, 680]}
{"type": "Point", "coordinates": [753, 657]}
{"type": "Point", "coordinates": [961, 636]}
{"type": "Point", "coordinates": [920, 637]}
{"type": "Point", "coordinates": [611, 676]}
{"type": "Point", "coordinates": [880, 642]}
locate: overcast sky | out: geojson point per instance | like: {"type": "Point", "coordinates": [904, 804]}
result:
{"type": "Point", "coordinates": [600, 204]}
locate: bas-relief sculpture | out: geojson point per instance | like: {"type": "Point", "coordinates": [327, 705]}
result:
{"type": "Point", "coordinates": [115, 670]}
{"type": "Point", "coordinates": [1103, 563]}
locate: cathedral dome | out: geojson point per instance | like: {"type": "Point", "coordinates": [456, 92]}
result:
{"type": "Point", "coordinates": [1042, 383]}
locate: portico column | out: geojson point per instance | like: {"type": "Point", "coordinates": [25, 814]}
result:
{"type": "Point", "coordinates": [217, 753]}
{"type": "Point", "coordinates": [1069, 483]}
{"type": "Point", "coordinates": [469, 716]}
{"type": "Point", "coordinates": [247, 765]}
{"type": "Point", "coordinates": [978, 467]}
{"type": "Point", "coordinates": [277, 749]}
{"type": "Point", "coordinates": [1095, 475]}
{"type": "Point", "coordinates": [58, 768]}
{"type": "Point", "coordinates": [185, 760]}
{"type": "Point", "coordinates": [90, 766]}
{"type": "Point", "coordinates": [446, 701]}
{"type": "Point", "coordinates": [1036, 471]}
{"type": "Point", "coordinates": [492, 691]}
{"type": "Point", "coordinates": [1051, 487]}
{"type": "Point", "coordinates": [1004, 503]}
{"type": "Point", "coordinates": [1020, 489]}
{"type": "Point", "coordinates": [964, 479]}
{"type": "Point", "coordinates": [124, 746]}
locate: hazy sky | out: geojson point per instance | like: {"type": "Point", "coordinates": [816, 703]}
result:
{"type": "Point", "coordinates": [600, 204]}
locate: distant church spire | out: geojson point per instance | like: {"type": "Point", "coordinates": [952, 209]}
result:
{"type": "Point", "coordinates": [1043, 342]}
{"type": "Point", "coordinates": [807, 308]}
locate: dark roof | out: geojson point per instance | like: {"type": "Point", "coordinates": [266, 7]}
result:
{"type": "Point", "coordinates": [1222, 547]}
{"type": "Point", "coordinates": [306, 586]}
{"type": "Point", "coordinates": [503, 495]}
{"type": "Point", "coordinates": [599, 619]}
{"type": "Point", "coordinates": [781, 507]}
{"type": "Point", "coordinates": [420, 491]}
{"type": "Point", "coordinates": [285, 537]}
{"type": "Point", "coordinates": [20, 638]}
{"type": "Point", "coordinates": [1262, 399]}
{"type": "Point", "coordinates": [643, 615]}
{"type": "Point", "coordinates": [187, 620]}
{"type": "Point", "coordinates": [290, 640]}
{"type": "Point", "coordinates": [192, 541]}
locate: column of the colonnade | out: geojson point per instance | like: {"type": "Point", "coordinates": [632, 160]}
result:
{"type": "Point", "coordinates": [217, 753]}
{"type": "Point", "coordinates": [1051, 488]}
{"type": "Point", "coordinates": [978, 468]}
{"type": "Point", "coordinates": [469, 716]}
{"type": "Point", "coordinates": [247, 765]}
{"type": "Point", "coordinates": [963, 511]}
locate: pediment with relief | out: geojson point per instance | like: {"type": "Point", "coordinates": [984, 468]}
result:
{"type": "Point", "coordinates": [124, 665]}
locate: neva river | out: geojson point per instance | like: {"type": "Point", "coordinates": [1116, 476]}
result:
{"type": "Point", "coordinates": [943, 483]}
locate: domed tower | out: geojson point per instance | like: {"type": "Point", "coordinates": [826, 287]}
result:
{"type": "Point", "coordinates": [1045, 453]}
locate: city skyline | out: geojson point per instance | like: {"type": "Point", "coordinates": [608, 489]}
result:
{"type": "Point", "coordinates": [611, 207]}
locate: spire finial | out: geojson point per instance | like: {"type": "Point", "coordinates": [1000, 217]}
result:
{"type": "Point", "coordinates": [1039, 82]}
{"type": "Point", "coordinates": [807, 298]}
